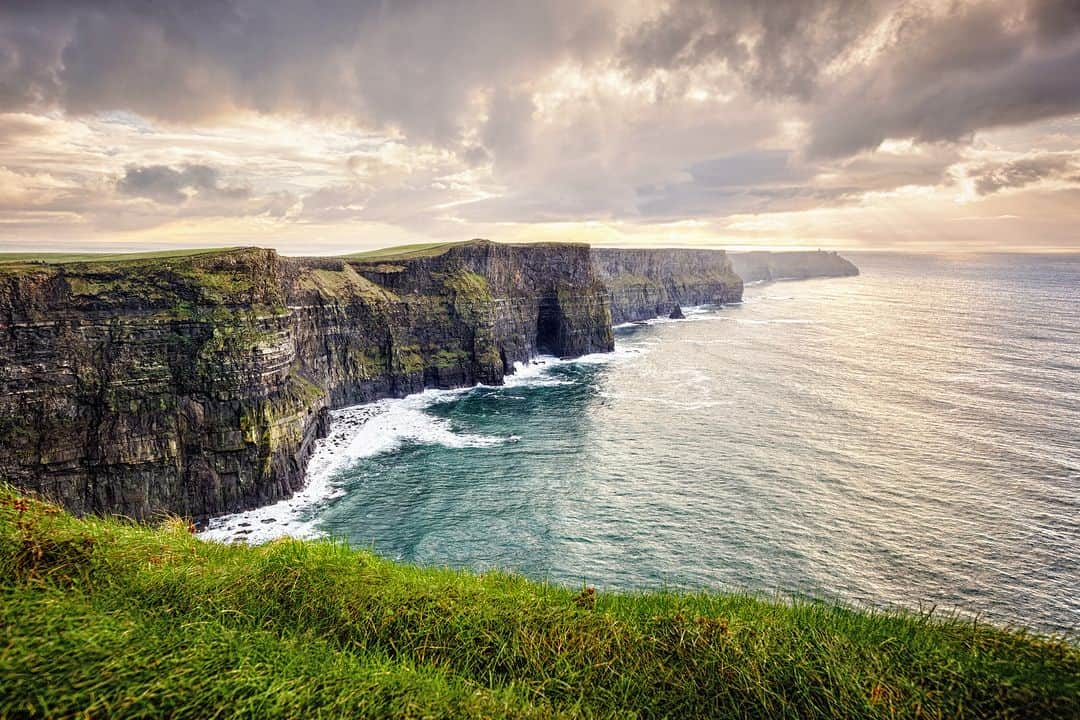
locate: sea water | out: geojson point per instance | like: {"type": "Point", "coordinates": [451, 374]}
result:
{"type": "Point", "coordinates": [907, 437]}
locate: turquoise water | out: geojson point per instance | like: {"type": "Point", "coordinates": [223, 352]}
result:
{"type": "Point", "coordinates": [910, 436]}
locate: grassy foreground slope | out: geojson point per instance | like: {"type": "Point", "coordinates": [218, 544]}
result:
{"type": "Point", "coordinates": [103, 619]}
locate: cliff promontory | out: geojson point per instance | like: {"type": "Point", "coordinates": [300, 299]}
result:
{"type": "Point", "coordinates": [759, 266]}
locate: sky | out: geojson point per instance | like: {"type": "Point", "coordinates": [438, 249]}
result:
{"type": "Point", "coordinates": [337, 126]}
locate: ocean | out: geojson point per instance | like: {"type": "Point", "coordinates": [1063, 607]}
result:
{"type": "Point", "coordinates": [909, 437]}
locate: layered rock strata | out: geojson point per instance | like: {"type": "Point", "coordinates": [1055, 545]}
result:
{"type": "Point", "coordinates": [648, 283]}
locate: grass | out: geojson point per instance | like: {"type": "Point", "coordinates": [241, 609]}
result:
{"type": "Point", "coordinates": [343, 284]}
{"type": "Point", "coordinates": [405, 252]}
{"type": "Point", "coordinates": [60, 258]}
{"type": "Point", "coordinates": [99, 618]}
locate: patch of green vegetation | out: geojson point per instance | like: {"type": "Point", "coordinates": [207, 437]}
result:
{"type": "Point", "coordinates": [233, 333]}
{"type": "Point", "coordinates": [370, 361]}
{"type": "Point", "coordinates": [408, 359]}
{"type": "Point", "coordinates": [184, 310]}
{"type": "Point", "coordinates": [277, 423]}
{"type": "Point", "coordinates": [490, 357]}
{"type": "Point", "coordinates": [91, 287]}
{"type": "Point", "coordinates": [240, 276]}
{"type": "Point", "coordinates": [449, 357]}
{"type": "Point", "coordinates": [217, 285]}
{"type": "Point", "coordinates": [305, 392]}
{"type": "Point", "coordinates": [100, 618]}
{"type": "Point", "coordinates": [343, 284]}
{"type": "Point", "coordinates": [468, 285]}
{"type": "Point", "coordinates": [404, 252]}
{"type": "Point", "coordinates": [60, 258]}
{"type": "Point", "coordinates": [469, 293]}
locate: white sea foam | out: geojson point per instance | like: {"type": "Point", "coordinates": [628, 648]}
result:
{"type": "Point", "coordinates": [691, 313]}
{"type": "Point", "coordinates": [357, 432]}
{"type": "Point", "coordinates": [376, 428]}
{"type": "Point", "coordinates": [535, 373]}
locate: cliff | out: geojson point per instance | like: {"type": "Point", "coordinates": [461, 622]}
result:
{"type": "Point", "coordinates": [768, 266]}
{"type": "Point", "coordinates": [646, 283]}
{"type": "Point", "coordinates": [197, 384]}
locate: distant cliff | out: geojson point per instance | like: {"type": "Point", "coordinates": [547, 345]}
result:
{"type": "Point", "coordinates": [768, 266]}
{"type": "Point", "coordinates": [197, 383]}
{"type": "Point", "coordinates": [647, 283]}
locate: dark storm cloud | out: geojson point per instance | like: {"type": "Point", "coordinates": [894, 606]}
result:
{"type": "Point", "coordinates": [939, 75]}
{"type": "Point", "coordinates": [977, 68]}
{"type": "Point", "coordinates": [1024, 171]}
{"type": "Point", "coordinates": [777, 47]}
{"type": "Point", "coordinates": [408, 64]}
{"type": "Point", "coordinates": [174, 186]}
{"type": "Point", "coordinates": [418, 65]}
{"type": "Point", "coordinates": [1055, 18]}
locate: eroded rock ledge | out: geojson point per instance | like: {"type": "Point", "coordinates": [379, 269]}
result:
{"type": "Point", "coordinates": [197, 384]}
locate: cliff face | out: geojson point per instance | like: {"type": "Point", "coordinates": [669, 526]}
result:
{"type": "Point", "coordinates": [768, 266]}
{"type": "Point", "coordinates": [650, 283]}
{"type": "Point", "coordinates": [159, 385]}
{"type": "Point", "coordinates": [198, 385]}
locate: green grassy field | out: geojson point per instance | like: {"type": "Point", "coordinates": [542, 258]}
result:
{"type": "Point", "coordinates": [404, 252]}
{"type": "Point", "coordinates": [105, 619]}
{"type": "Point", "coordinates": [58, 258]}
{"type": "Point", "coordinates": [400, 252]}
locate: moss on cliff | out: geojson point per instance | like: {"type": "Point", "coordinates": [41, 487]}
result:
{"type": "Point", "coordinates": [369, 361]}
{"type": "Point", "coordinates": [160, 281]}
{"type": "Point", "coordinates": [407, 359]}
{"type": "Point", "coordinates": [343, 284]}
{"type": "Point", "coordinates": [449, 357]}
{"type": "Point", "coordinates": [468, 286]}
{"type": "Point", "coordinates": [469, 293]}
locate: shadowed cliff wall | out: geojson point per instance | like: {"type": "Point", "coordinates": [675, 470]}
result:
{"type": "Point", "coordinates": [650, 283]}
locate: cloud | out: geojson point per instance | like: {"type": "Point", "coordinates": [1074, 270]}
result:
{"type": "Point", "coordinates": [910, 70]}
{"type": "Point", "coordinates": [941, 78]}
{"type": "Point", "coordinates": [164, 184]}
{"type": "Point", "coordinates": [774, 48]}
{"type": "Point", "coordinates": [20, 127]}
{"type": "Point", "coordinates": [1022, 172]}
{"type": "Point", "coordinates": [416, 66]}
{"type": "Point", "coordinates": [456, 117]}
